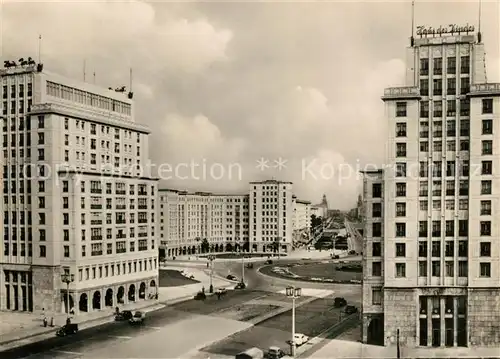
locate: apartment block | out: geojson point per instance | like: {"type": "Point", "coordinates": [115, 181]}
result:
{"type": "Point", "coordinates": [259, 221]}
{"type": "Point", "coordinates": [439, 198]}
{"type": "Point", "coordinates": [77, 203]}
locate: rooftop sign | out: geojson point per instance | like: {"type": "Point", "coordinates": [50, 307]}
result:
{"type": "Point", "coordinates": [451, 29]}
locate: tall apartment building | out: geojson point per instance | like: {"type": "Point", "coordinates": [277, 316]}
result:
{"type": "Point", "coordinates": [75, 201]}
{"type": "Point", "coordinates": [301, 219]}
{"type": "Point", "coordinates": [432, 269]}
{"type": "Point", "coordinates": [248, 222]}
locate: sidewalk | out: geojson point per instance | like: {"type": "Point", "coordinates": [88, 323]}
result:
{"type": "Point", "coordinates": [23, 335]}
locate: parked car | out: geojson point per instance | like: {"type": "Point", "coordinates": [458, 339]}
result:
{"type": "Point", "coordinates": [275, 353]}
{"type": "Point", "coordinates": [269, 261]}
{"type": "Point", "coordinates": [335, 256]}
{"type": "Point", "coordinates": [339, 302]}
{"type": "Point", "coordinates": [249, 265]}
{"type": "Point", "coordinates": [138, 318]}
{"type": "Point", "coordinates": [350, 309]}
{"type": "Point", "coordinates": [231, 277]}
{"type": "Point", "coordinates": [125, 315]}
{"type": "Point", "coordinates": [240, 285]}
{"type": "Point", "coordinates": [221, 291]}
{"type": "Point", "coordinates": [351, 252]}
{"type": "Point", "coordinates": [200, 296]}
{"type": "Point", "coordinates": [299, 339]}
{"type": "Point", "coordinates": [252, 353]}
{"type": "Point", "coordinates": [67, 329]}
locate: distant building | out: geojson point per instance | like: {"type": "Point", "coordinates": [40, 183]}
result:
{"type": "Point", "coordinates": [301, 220]}
{"type": "Point", "coordinates": [252, 222]}
{"type": "Point", "coordinates": [321, 209]}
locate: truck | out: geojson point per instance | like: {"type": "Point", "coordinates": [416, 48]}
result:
{"type": "Point", "coordinates": [252, 353]}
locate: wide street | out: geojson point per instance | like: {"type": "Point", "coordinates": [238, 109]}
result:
{"type": "Point", "coordinates": [181, 328]}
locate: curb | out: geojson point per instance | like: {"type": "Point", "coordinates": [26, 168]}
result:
{"type": "Point", "coordinates": [308, 280]}
{"type": "Point", "coordinates": [82, 326]}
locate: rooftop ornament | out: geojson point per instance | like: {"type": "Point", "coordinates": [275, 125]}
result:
{"type": "Point", "coordinates": [22, 62]}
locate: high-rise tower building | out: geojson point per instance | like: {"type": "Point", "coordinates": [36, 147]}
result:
{"type": "Point", "coordinates": [76, 201]}
{"type": "Point", "coordinates": [431, 252]}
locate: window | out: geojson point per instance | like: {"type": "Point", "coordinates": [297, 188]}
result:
{"type": "Point", "coordinates": [485, 249]}
{"type": "Point", "coordinates": [41, 123]}
{"type": "Point", "coordinates": [463, 187]}
{"type": "Point", "coordinates": [436, 228]}
{"type": "Point", "coordinates": [485, 228]}
{"type": "Point", "coordinates": [452, 86]}
{"type": "Point", "coordinates": [66, 251]}
{"type": "Point", "coordinates": [438, 129]}
{"type": "Point", "coordinates": [65, 186]}
{"type": "Point", "coordinates": [464, 85]}
{"type": "Point", "coordinates": [464, 107]}
{"type": "Point", "coordinates": [450, 168]}
{"type": "Point", "coordinates": [377, 269]}
{"type": "Point", "coordinates": [400, 270]}
{"type": "Point", "coordinates": [377, 210]}
{"type": "Point", "coordinates": [450, 228]}
{"type": "Point", "coordinates": [449, 249]}
{"type": "Point", "coordinates": [400, 250]}
{"type": "Point", "coordinates": [464, 64]}
{"type": "Point", "coordinates": [487, 107]}
{"type": "Point", "coordinates": [424, 205]}
{"type": "Point", "coordinates": [464, 128]}
{"type": "Point", "coordinates": [422, 268]}
{"type": "Point", "coordinates": [436, 249]}
{"type": "Point", "coordinates": [377, 296]}
{"type": "Point", "coordinates": [487, 127]}
{"type": "Point", "coordinates": [464, 145]}
{"type": "Point", "coordinates": [422, 229]}
{"type": "Point", "coordinates": [400, 189]}
{"type": "Point", "coordinates": [485, 270]}
{"type": "Point", "coordinates": [41, 202]}
{"type": "Point", "coordinates": [424, 67]}
{"type": "Point", "coordinates": [436, 269]}
{"type": "Point", "coordinates": [424, 189]}
{"type": "Point", "coordinates": [451, 128]}
{"type": "Point", "coordinates": [438, 87]}
{"type": "Point", "coordinates": [487, 147]}
{"type": "Point", "coordinates": [485, 208]}
{"type": "Point", "coordinates": [438, 66]}
{"type": "Point", "coordinates": [41, 138]}
{"type": "Point", "coordinates": [463, 269]}
{"type": "Point", "coordinates": [377, 190]}
{"type": "Point", "coordinates": [400, 109]}
{"type": "Point", "coordinates": [400, 209]}
{"type": "Point", "coordinates": [401, 129]}
{"type": "Point", "coordinates": [424, 105]}
{"type": "Point", "coordinates": [376, 229]}
{"type": "Point", "coordinates": [449, 269]}
{"type": "Point", "coordinates": [400, 169]}
{"type": "Point", "coordinates": [43, 251]}
{"type": "Point", "coordinates": [400, 149]}
{"type": "Point", "coordinates": [400, 229]}
{"type": "Point", "coordinates": [450, 188]}
{"type": "Point", "coordinates": [376, 249]}
{"type": "Point", "coordinates": [423, 170]}
{"type": "Point", "coordinates": [486, 167]}
{"type": "Point", "coordinates": [422, 249]}
{"type": "Point", "coordinates": [451, 67]}
{"type": "Point", "coordinates": [424, 146]}
{"type": "Point", "coordinates": [438, 109]}
{"type": "Point", "coordinates": [486, 187]}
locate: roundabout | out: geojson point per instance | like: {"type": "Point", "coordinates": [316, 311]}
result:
{"type": "Point", "coordinates": [326, 271]}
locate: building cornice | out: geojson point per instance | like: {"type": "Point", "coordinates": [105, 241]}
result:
{"type": "Point", "coordinates": [103, 174]}
{"type": "Point", "coordinates": [104, 117]}
{"type": "Point", "coordinates": [485, 90]}
{"type": "Point", "coordinates": [401, 93]}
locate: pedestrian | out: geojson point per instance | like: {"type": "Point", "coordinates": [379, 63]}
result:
{"type": "Point", "coordinates": [44, 321]}
{"type": "Point", "coordinates": [68, 321]}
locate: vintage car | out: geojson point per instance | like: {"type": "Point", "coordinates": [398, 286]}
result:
{"type": "Point", "coordinates": [124, 315]}
{"type": "Point", "coordinates": [138, 318]}
{"type": "Point", "coordinates": [67, 329]}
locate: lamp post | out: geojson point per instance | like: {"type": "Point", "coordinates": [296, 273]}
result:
{"type": "Point", "coordinates": [211, 258]}
{"type": "Point", "coordinates": [67, 278]}
{"type": "Point", "coordinates": [293, 293]}
{"type": "Point", "coordinates": [242, 266]}
{"type": "Point", "coordinates": [398, 353]}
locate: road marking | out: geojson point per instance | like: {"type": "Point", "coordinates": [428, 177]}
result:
{"type": "Point", "coordinates": [120, 337]}
{"type": "Point", "coordinates": [66, 352]}
{"type": "Point", "coordinates": [155, 328]}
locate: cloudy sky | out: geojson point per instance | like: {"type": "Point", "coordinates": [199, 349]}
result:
{"type": "Point", "coordinates": [224, 84]}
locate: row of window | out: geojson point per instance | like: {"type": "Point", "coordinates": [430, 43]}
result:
{"type": "Point", "coordinates": [108, 270]}
{"type": "Point", "coordinates": [484, 228]}
{"type": "Point", "coordinates": [451, 65]}
{"type": "Point", "coordinates": [461, 250]}
{"type": "Point", "coordinates": [438, 106]}
{"type": "Point", "coordinates": [463, 269]}
{"type": "Point", "coordinates": [451, 130]}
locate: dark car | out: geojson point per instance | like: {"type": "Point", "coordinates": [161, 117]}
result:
{"type": "Point", "coordinates": [350, 309]}
{"type": "Point", "coordinates": [125, 315]}
{"type": "Point", "coordinates": [339, 302]}
{"type": "Point", "coordinates": [269, 261]}
{"type": "Point", "coordinates": [249, 265]}
{"type": "Point", "coordinates": [240, 285]}
{"type": "Point", "coordinates": [200, 296]}
{"type": "Point", "coordinates": [231, 277]}
{"type": "Point", "coordinates": [67, 329]}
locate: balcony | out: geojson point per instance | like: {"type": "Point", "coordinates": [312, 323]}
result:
{"type": "Point", "coordinates": [96, 190]}
{"type": "Point", "coordinates": [120, 192]}
{"type": "Point", "coordinates": [142, 206]}
{"type": "Point", "coordinates": [96, 238]}
{"type": "Point", "coordinates": [96, 206]}
{"type": "Point", "coordinates": [142, 193]}
{"type": "Point", "coordinates": [142, 220]}
{"type": "Point", "coordinates": [121, 250]}
{"type": "Point", "coordinates": [121, 206]}
{"type": "Point", "coordinates": [120, 221]}
{"type": "Point", "coordinates": [121, 236]}
{"type": "Point", "coordinates": [96, 253]}
{"type": "Point", "coordinates": [406, 92]}
{"type": "Point", "coordinates": [96, 221]}
{"type": "Point", "coordinates": [487, 89]}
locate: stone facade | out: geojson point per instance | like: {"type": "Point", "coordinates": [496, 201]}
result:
{"type": "Point", "coordinates": [484, 317]}
{"type": "Point", "coordinates": [46, 288]}
{"type": "Point", "coordinates": [400, 312]}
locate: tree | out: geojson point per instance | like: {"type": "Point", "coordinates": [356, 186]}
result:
{"type": "Point", "coordinates": [205, 246]}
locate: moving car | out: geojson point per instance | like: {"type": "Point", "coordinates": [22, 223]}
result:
{"type": "Point", "coordinates": [269, 261]}
{"type": "Point", "coordinates": [240, 285]}
{"type": "Point", "coordinates": [252, 353]}
{"type": "Point", "coordinates": [200, 296]}
{"type": "Point", "coordinates": [339, 302]}
{"type": "Point", "coordinates": [125, 315]}
{"type": "Point", "coordinates": [299, 339]}
{"type": "Point", "coordinates": [138, 318]}
{"type": "Point", "coordinates": [276, 353]}
{"type": "Point", "coordinates": [249, 265]}
{"type": "Point", "coordinates": [67, 329]}
{"type": "Point", "coordinates": [221, 291]}
{"type": "Point", "coordinates": [231, 277]}
{"type": "Point", "coordinates": [350, 309]}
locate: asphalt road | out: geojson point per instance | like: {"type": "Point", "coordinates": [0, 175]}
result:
{"type": "Point", "coordinates": [110, 333]}
{"type": "Point", "coordinates": [310, 319]}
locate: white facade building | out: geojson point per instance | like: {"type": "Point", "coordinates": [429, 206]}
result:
{"type": "Point", "coordinates": [249, 222]}
{"type": "Point", "coordinates": [432, 255]}
{"type": "Point", "coordinates": [75, 201]}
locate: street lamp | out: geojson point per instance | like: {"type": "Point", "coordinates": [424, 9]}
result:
{"type": "Point", "coordinates": [242, 266]}
{"type": "Point", "coordinates": [211, 258]}
{"type": "Point", "coordinates": [293, 293]}
{"type": "Point", "coordinates": [67, 278]}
